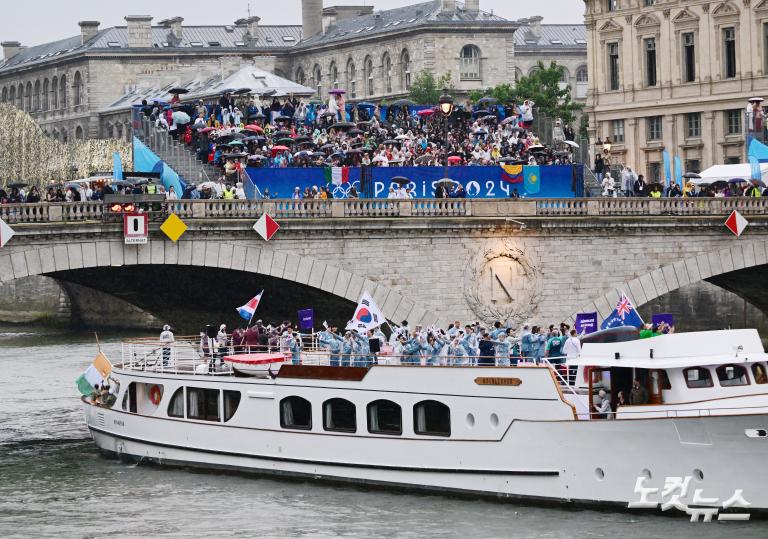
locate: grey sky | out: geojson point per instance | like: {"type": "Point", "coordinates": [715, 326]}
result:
{"type": "Point", "coordinates": [39, 21]}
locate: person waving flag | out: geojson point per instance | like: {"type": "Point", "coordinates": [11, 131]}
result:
{"type": "Point", "coordinates": [623, 315]}
{"type": "Point", "coordinates": [247, 310]}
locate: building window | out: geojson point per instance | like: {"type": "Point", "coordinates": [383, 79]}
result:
{"type": "Point", "coordinates": [758, 371]}
{"type": "Point", "coordinates": [351, 79]}
{"type": "Point", "coordinates": [653, 128]}
{"type": "Point", "coordinates": [733, 121]}
{"type": "Point", "coordinates": [369, 76]}
{"type": "Point", "coordinates": [4, 96]}
{"type": "Point", "coordinates": [339, 415]}
{"type": "Point", "coordinates": [617, 131]}
{"type": "Point", "coordinates": [12, 96]}
{"type": "Point", "coordinates": [318, 80]}
{"type": "Point", "coordinates": [732, 160]}
{"type": "Point", "coordinates": [611, 5]}
{"type": "Point", "coordinates": [231, 403]}
{"type": "Point", "coordinates": [79, 133]}
{"type": "Point", "coordinates": [692, 165]}
{"type": "Point", "coordinates": [650, 61]}
{"type": "Point", "coordinates": [613, 66]}
{"type": "Point", "coordinates": [689, 57]}
{"type": "Point", "coordinates": [28, 98]}
{"type": "Point", "coordinates": [648, 3]}
{"type": "Point", "coordinates": [729, 52]}
{"type": "Point", "coordinates": [301, 78]}
{"type": "Point", "coordinates": [387, 66]}
{"type": "Point", "coordinates": [732, 375]}
{"type": "Point", "coordinates": [334, 72]}
{"type": "Point", "coordinates": [693, 124]}
{"type": "Point", "coordinates": [176, 406]}
{"type": "Point", "coordinates": [46, 89]}
{"type": "Point", "coordinates": [405, 70]}
{"type": "Point", "coordinates": [79, 89]}
{"type": "Point", "coordinates": [385, 417]}
{"type": "Point", "coordinates": [432, 418]}
{"type": "Point", "coordinates": [582, 74]}
{"type": "Point", "coordinates": [696, 377]}
{"type": "Point", "coordinates": [36, 97]}
{"type": "Point", "coordinates": [470, 63]}
{"type": "Point", "coordinates": [63, 92]}
{"type": "Point", "coordinates": [203, 404]}
{"type": "Point", "coordinates": [765, 48]}
{"type": "Point", "coordinates": [654, 172]}
{"type": "Point", "coordinates": [54, 93]}
{"type": "Point", "coordinates": [295, 413]}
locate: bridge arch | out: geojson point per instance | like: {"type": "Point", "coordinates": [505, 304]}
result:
{"type": "Point", "coordinates": [35, 259]}
{"type": "Point", "coordinates": [670, 277]}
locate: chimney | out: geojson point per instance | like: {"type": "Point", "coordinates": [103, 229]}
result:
{"type": "Point", "coordinates": [139, 31]}
{"type": "Point", "coordinates": [447, 6]}
{"type": "Point", "coordinates": [311, 18]}
{"type": "Point", "coordinates": [10, 49]}
{"type": "Point", "coordinates": [174, 25]}
{"type": "Point", "coordinates": [534, 24]}
{"type": "Point", "coordinates": [88, 30]}
{"type": "Point", "coordinates": [472, 6]}
{"type": "Point", "coordinates": [251, 24]}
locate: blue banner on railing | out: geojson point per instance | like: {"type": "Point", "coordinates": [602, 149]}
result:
{"type": "Point", "coordinates": [555, 181]}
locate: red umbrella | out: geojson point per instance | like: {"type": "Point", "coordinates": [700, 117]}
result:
{"type": "Point", "coordinates": [454, 159]}
{"type": "Point", "coordinates": [255, 128]}
{"type": "Point", "coordinates": [207, 130]}
{"type": "Point", "coordinates": [426, 112]}
{"type": "Point", "coordinates": [277, 149]}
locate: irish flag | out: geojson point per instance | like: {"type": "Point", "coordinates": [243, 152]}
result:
{"type": "Point", "coordinates": [96, 373]}
{"type": "Point", "coordinates": [337, 175]}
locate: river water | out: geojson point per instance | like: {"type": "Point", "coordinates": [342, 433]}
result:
{"type": "Point", "coordinates": [54, 483]}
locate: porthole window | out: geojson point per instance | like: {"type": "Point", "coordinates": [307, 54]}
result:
{"type": "Point", "coordinates": [385, 417]}
{"type": "Point", "coordinates": [176, 406]}
{"type": "Point", "coordinates": [697, 377]}
{"type": "Point", "coordinates": [432, 418]}
{"type": "Point", "coordinates": [231, 402]}
{"type": "Point", "coordinates": [732, 375]}
{"type": "Point", "coordinates": [295, 413]}
{"type": "Point", "coordinates": [339, 415]}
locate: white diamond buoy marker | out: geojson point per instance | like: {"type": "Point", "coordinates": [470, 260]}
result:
{"type": "Point", "coordinates": [6, 233]}
{"type": "Point", "coordinates": [736, 223]}
{"type": "Point", "coordinates": [266, 227]}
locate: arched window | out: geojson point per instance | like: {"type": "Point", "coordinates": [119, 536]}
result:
{"type": "Point", "coordinates": [582, 74]}
{"type": "Point", "coordinates": [339, 415]}
{"type": "Point", "coordinates": [564, 75]}
{"type": "Point", "coordinates": [470, 63]}
{"type": "Point", "coordinates": [78, 133]}
{"type": "Point", "coordinates": [119, 133]}
{"type": "Point", "coordinates": [432, 418]}
{"type": "Point", "coordinates": [295, 413]}
{"type": "Point", "coordinates": [54, 93]}
{"type": "Point", "coordinates": [46, 89]}
{"type": "Point", "coordinates": [12, 96]}
{"type": "Point", "coordinates": [64, 135]}
{"type": "Point", "coordinates": [732, 375]}
{"type": "Point", "coordinates": [63, 92]}
{"type": "Point", "coordinates": [317, 80]}
{"type": "Point", "coordinates": [518, 74]}
{"type": "Point", "coordinates": [36, 97]}
{"type": "Point", "coordinates": [78, 89]}
{"type": "Point", "coordinates": [28, 98]}
{"type": "Point", "coordinates": [385, 417]}
{"type": "Point", "coordinates": [20, 97]}
{"type": "Point", "coordinates": [4, 95]}
{"type": "Point", "coordinates": [369, 84]}
{"type": "Point", "coordinates": [55, 134]}
{"type": "Point", "coordinates": [351, 75]}
{"type": "Point", "coordinates": [176, 406]}
{"type": "Point", "coordinates": [231, 403]}
{"type": "Point", "coordinates": [386, 66]}
{"type": "Point", "coordinates": [301, 77]}
{"type": "Point", "coordinates": [533, 71]}
{"type": "Point", "coordinates": [334, 73]}
{"type": "Point", "coordinates": [405, 70]}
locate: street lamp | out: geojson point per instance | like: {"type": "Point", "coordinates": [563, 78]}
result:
{"type": "Point", "coordinates": [446, 109]}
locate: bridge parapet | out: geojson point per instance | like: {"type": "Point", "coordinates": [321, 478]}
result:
{"type": "Point", "coordinates": [393, 208]}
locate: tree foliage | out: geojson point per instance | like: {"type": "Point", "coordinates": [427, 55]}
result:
{"type": "Point", "coordinates": [426, 89]}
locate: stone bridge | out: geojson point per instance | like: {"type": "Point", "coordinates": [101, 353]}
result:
{"type": "Point", "coordinates": [425, 261]}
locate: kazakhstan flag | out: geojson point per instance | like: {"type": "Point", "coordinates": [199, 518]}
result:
{"type": "Point", "coordinates": [532, 176]}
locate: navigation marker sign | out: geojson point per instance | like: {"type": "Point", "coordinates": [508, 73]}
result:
{"type": "Point", "coordinates": [173, 227]}
{"type": "Point", "coordinates": [266, 227]}
{"type": "Point", "coordinates": [6, 233]}
{"type": "Point", "coordinates": [736, 223]}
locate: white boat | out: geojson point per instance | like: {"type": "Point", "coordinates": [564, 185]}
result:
{"type": "Point", "coordinates": [522, 432]}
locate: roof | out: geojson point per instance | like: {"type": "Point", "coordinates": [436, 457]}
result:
{"type": "Point", "coordinates": [257, 80]}
{"type": "Point", "coordinates": [677, 350]}
{"type": "Point", "coordinates": [552, 35]}
{"type": "Point", "coordinates": [414, 16]}
{"type": "Point", "coordinates": [193, 38]}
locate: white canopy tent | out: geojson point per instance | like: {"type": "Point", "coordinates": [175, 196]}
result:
{"type": "Point", "coordinates": [729, 172]}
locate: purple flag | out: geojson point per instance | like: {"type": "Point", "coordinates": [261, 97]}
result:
{"type": "Point", "coordinates": [586, 323]}
{"type": "Point", "coordinates": [306, 319]}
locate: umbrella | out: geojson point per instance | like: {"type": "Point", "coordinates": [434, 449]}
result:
{"type": "Point", "coordinates": [536, 148]}
{"type": "Point", "coordinates": [303, 138]}
{"type": "Point", "coordinates": [253, 127]}
{"type": "Point", "coordinates": [318, 154]}
{"type": "Point", "coordinates": [234, 143]}
{"type": "Point", "coordinates": [242, 91]}
{"type": "Point", "coordinates": [693, 175]}
{"type": "Point", "coordinates": [283, 119]}
{"type": "Point", "coordinates": [234, 154]}
{"type": "Point", "coordinates": [400, 180]}
{"type": "Point", "coordinates": [402, 103]}
{"type": "Point", "coordinates": [206, 185]}
{"type": "Point", "coordinates": [737, 180]}
{"type": "Point", "coordinates": [574, 145]}
{"type": "Point", "coordinates": [282, 133]}
{"type": "Point", "coordinates": [303, 153]}
{"type": "Point", "coordinates": [257, 116]}
{"type": "Point", "coordinates": [367, 123]}
{"type": "Point", "coordinates": [484, 112]}
{"type": "Point", "coordinates": [328, 114]}
{"type": "Point", "coordinates": [402, 137]}
{"type": "Point", "coordinates": [480, 132]}
{"type": "Point", "coordinates": [654, 187]}
{"type": "Point", "coordinates": [489, 118]}
{"type": "Point", "coordinates": [508, 120]}
{"type": "Point", "coordinates": [327, 147]}
{"type": "Point", "coordinates": [424, 159]}
{"type": "Point", "coordinates": [276, 149]}
{"type": "Point", "coordinates": [354, 151]}
{"type": "Point", "coordinates": [756, 99]}
{"type": "Point", "coordinates": [207, 129]}
{"type": "Point", "coordinates": [487, 101]}
{"type": "Point", "coordinates": [227, 90]}
{"type": "Point", "coordinates": [446, 182]}
{"type": "Point", "coordinates": [719, 184]}
{"type": "Point", "coordinates": [16, 185]}
{"type": "Point", "coordinates": [355, 132]}
{"type": "Point", "coordinates": [285, 141]}
{"type": "Point", "coordinates": [510, 160]}
{"type": "Point", "coordinates": [390, 141]}
{"type": "Point", "coordinates": [178, 91]}
{"type": "Point", "coordinates": [181, 117]}
{"type": "Point", "coordinates": [256, 157]}
{"type": "Point", "coordinates": [342, 125]}
{"type": "Point", "coordinates": [366, 104]}
{"type": "Point", "coordinates": [337, 91]}
{"type": "Point", "coordinates": [426, 112]}
{"type": "Point", "coordinates": [454, 159]}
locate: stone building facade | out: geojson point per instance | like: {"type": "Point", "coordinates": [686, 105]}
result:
{"type": "Point", "coordinates": [66, 85]}
{"type": "Point", "coordinates": [674, 75]}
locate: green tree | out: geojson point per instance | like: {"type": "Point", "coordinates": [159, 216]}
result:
{"type": "Point", "coordinates": [543, 87]}
{"type": "Point", "coordinates": [426, 89]}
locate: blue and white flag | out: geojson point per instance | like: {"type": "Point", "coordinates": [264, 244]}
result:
{"type": "Point", "coordinates": [623, 315]}
{"type": "Point", "coordinates": [247, 310]}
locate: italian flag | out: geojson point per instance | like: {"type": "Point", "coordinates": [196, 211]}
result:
{"type": "Point", "coordinates": [337, 175]}
{"type": "Point", "coordinates": [96, 373]}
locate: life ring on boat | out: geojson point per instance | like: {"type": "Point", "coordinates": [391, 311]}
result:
{"type": "Point", "coordinates": [155, 394]}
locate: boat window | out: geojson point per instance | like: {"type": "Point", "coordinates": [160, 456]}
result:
{"type": "Point", "coordinates": [203, 404]}
{"type": "Point", "coordinates": [697, 377]}
{"type": "Point", "coordinates": [231, 402]}
{"type": "Point", "coordinates": [339, 415]}
{"type": "Point", "coordinates": [758, 371]}
{"type": "Point", "coordinates": [732, 375]}
{"type": "Point", "coordinates": [664, 382]}
{"type": "Point", "coordinates": [295, 413]}
{"type": "Point", "coordinates": [176, 406]}
{"type": "Point", "coordinates": [385, 417]}
{"type": "Point", "coordinates": [432, 418]}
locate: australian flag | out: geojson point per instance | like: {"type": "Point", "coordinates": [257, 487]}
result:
{"type": "Point", "coordinates": [623, 315]}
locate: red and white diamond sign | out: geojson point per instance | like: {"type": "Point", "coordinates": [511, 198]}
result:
{"type": "Point", "coordinates": [736, 223]}
{"type": "Point", "coordinates": [266, 227]}
{"type": "Point", "coordinates": [6, 233]}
